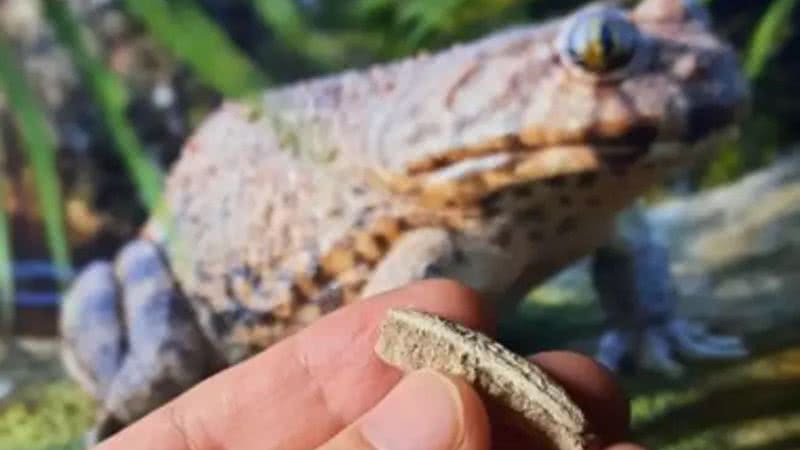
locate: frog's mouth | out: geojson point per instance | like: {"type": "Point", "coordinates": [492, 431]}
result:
{"type": "Point", "coordinates": [463, 177]}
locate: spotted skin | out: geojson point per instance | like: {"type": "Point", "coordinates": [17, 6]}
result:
{"type": "Point", "coordinates": [496, 163]}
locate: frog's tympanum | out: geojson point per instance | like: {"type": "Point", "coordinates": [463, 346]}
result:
{"type": "Point", "coordinates": [496, 163]}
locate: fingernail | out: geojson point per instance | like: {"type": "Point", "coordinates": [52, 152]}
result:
{"type": "Point", "coordinates": [423, 412]}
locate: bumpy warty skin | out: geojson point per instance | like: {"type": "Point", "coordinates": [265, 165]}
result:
{"type": "Point", "coordinates": [280, 212]}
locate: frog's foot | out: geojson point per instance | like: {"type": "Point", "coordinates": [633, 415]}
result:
{"type": "Point", "coordinates": [130, 338]}
{"type": "Point", "coordinates": [658, 348]}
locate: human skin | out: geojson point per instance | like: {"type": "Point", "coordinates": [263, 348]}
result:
{"type": "Point", "coordinates": [324, 388]}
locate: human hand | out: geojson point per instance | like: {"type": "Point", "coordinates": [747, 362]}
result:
{"type": "Point", "coordinates": [325, 389]}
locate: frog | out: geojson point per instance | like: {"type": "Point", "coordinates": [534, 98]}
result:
{"type": "Point", "coordinates": [496, 163]}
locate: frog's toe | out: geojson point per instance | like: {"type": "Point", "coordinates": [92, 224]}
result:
{"type": "Point", "coordinates": [131, 338]}
{"type": "Point", "coordinates": [167, 353]}
{"type": "Point", "coordinates": [658, 348]}
{"type": "Point", "coordinates": [694, 341]}
{"type": "Point", "coordinates": [627, 351]}
{"type": "Point", "coordinates": [93, 335]}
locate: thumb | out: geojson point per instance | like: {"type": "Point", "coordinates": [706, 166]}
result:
{"type": "Point", "coordinates": [425, 411]}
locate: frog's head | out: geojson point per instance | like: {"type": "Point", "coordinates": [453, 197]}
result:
{"type": "Point", "coordinates": [602, 87]}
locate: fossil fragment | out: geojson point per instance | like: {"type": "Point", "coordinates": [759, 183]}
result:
{"type": "Point", "coordinates": [412, 340]}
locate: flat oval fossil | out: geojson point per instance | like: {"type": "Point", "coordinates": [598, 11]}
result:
{"type": "Point", "coordinates": [413, 340]}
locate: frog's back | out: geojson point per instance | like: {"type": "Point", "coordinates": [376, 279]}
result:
{"type": "Point", "coordinates": [261, 195]}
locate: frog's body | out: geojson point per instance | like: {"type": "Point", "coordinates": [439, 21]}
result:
{"type": "Point", "coordinates": [496, 163]}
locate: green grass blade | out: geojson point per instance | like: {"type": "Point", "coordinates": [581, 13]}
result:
{"type": "Point", "coordinates": [772, 31]}
{"type": "Point", "coordinates": [421, 23]}
{"type": "Point", "coordinates": [39, 146]}
{"type": "Point", "coordinates": [110, 95]}
{"type": "Point", "coordinates": [6, 272]}
{"type": "Point", "coordinates": [194, 38]}
{"type": "Point", "coordinates": [284, 19]}
{"type": "Point", "coordinates": [329, 50]}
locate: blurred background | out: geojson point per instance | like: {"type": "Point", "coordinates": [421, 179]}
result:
{"type": "Point", "coordinates": [96, 97]}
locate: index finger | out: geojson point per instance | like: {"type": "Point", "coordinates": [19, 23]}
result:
{"type": "Point", "coordinates": [303, 390]}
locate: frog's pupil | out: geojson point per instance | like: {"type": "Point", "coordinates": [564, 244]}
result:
{"type": "Point", "coordinates": [608, 42]}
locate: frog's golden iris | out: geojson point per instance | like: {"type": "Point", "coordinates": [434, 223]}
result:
{"type": "Point", "coordinates": [602, 42]}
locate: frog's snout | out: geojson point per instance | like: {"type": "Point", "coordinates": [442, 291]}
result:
{"type": "Point", "coordinates": [719, 93]}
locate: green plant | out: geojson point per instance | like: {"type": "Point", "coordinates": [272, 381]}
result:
{"type": "Point", "coordinates": [6, 272]}
{"type": "Point", "coordinates": [416, 24]}
{"type": "Point", "coordinates": [195, 39]}
{"type": "Point", "coordinates": [39, 146]}
{"type": "Point", "coordinates": [772, 32]}
{"type": "Point", "coordinates": [760, 140]}
{"type": "Point", "coordinates": [45, 416]}
{"type": "Point", "coordinates": [112, 97]}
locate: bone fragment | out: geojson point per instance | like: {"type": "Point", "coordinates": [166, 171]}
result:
{"type": "Point", "coordinates": [412, 340]}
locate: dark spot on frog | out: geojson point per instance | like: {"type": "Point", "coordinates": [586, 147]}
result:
{"type": "Point", "coordinates": [229, 290]}
{"type": "Point", "coordinates": [360, 259]}
{"type": "Point", "coordinates": [639, 136]}
{"type": "Point", "coordinates": [403, 224]}
{"type": "Point", "coordinates": [165, 387]}
{"type": "Point", "coordinates": [289, 200]}
{"type": "Point", "coordinates": [623, 161]}
{"type": "Point", "coordinates": [620, 171]}
{"type": "Point", "coordinates": [531, 214]}
{"type": "Point", "coordinates": [587, 179]}
{"type": "Point", "coordinates": [336, 212]}
{"type": "Point", "coordinates": [299, 295]}
{"type": "Point", "coordinates": [593, 202]}
{"type": "Point", "coordinates": [367, 210]}
{"type": "Point", "coordinates": [320, 277]}
{"type": "Point", "coordinates": [535, 235]}
{"type": "Point", "coordinates": [491, 204]}
{"type": "Point", "coordinates": [329, 299]}
{"type": "Point", "coordinates": [381, 242]}
{"type": "Point", "coordinates": [200, 300]}
{"type": "Point", "coordinates": [567, 225]}
{"type": "Point", "coordinates": [649, 165]}
{"type": "Point", "coordinates": [242, 275]}
{"type": "Point", "coordinates": [557, 182]}
{"type": "Point", "coordinates": [522, 191]}
{"type": "Point", "coordinates": [502, 238]}
{"type": "Point", "coordinates": [224, 322]}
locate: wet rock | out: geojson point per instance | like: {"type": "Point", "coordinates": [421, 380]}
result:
{"type": "Point", "coordinates": [735, 253]}
{"type": "Point", "coordinates": [736, 249]}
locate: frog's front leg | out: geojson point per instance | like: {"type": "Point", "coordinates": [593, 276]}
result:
{"type": "Point", "coordinates": [632, 278]}
{"type": "Point", "coordinates": [130, 337]}
{"type": "Point", "coordinates": [417, 255]}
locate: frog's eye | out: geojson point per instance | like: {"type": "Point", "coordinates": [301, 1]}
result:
{"type": "Point", "coordinates": [601, 42]}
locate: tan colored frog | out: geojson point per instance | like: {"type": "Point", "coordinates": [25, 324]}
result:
{"type": "Point", "coordinates": [496, 163]}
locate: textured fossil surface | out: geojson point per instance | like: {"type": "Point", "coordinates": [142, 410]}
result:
{"type": "Point", "coordinates": [413, 340]}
